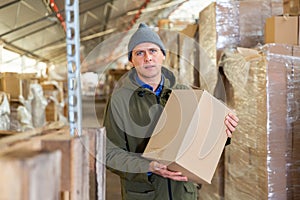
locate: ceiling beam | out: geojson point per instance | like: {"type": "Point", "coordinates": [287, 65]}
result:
{"type": "Point", "coordinates": [23, 52]}
{"type": "Point", "coordinates": [26, 25]}
{"type": "Point", "coordinates": [60, 41]}
{"type": "Point", "coordinates": [32, 32]}
{"type": "Point", "coordinates": [9, 4]}
{"type": "Point", "coordinates": [108, 12]}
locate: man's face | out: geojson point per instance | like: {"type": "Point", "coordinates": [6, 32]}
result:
{"type": "Point", "coordinates": [147, 58]}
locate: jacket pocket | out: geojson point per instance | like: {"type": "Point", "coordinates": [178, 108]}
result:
{"type": "Point", "coordinates": [191, 191]}
{"type": "Point", "coordinates": [189, 187]}
{"type": "Point", "coordinates": [156, 181]}
{"type": "Point", "coordinates": [130, 195]}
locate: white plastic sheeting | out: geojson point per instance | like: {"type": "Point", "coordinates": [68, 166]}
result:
{"type": "Point", "coordinates": [4, 112]}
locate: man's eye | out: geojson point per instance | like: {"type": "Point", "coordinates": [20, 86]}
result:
{"type": "Point", "coordinates": [139, 53]}
{"type": "Point", "coordinates": [153, 50]}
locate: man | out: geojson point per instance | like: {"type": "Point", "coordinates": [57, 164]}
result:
{"type": "Point", "coordinates": [130, 117]}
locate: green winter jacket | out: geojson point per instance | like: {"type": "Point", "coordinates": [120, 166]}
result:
{"type": "Point", "coordinates": [130, 117]}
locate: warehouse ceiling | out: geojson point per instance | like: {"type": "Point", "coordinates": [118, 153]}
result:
{"type": "Point", "coordinates": [36, 28]}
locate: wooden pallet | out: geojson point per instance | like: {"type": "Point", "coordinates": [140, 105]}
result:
{"type": "Point", "coordinates": [82, 169]}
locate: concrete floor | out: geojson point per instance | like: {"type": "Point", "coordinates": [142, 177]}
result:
{"type": "Point", "coordinates": [92, 116]}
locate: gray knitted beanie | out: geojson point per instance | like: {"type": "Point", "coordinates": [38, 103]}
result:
{"type": "Point", "coordinates": [144, 34]}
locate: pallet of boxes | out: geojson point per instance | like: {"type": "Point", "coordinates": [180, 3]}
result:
{"type": "Point", "coordinates": [55, 95]}
{"type": "Point", "coordinates": [257, 50]}
{"type": "Point", "coordinates": [31, 103]}
{"type": "Point", "coordinates": [15, 89]}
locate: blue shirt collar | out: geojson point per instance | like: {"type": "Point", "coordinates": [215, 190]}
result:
{"type": "Point", "coordinates": [145, 85]}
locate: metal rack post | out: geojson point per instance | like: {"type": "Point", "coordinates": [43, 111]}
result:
{"type": "Point", "coordinates": [73, 62]}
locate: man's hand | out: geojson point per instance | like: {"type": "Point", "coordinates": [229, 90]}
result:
{"type": "Point", "coordinates": [231, 122]}
{"type": "Point", "coordinates": [162, 170]}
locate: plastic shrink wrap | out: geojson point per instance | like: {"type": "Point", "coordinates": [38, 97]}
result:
{"type": "Point", "coordinates": [4, 112]}
{"type": "Point", "coordinates": [263, 160]}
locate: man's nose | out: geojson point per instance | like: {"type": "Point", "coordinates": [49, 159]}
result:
{"type": "Point", "coordinates": [148, 56]}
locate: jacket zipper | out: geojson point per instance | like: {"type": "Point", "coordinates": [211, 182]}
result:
{"type": "Point", "coordinates": [169, 181]}
{"type": "Point", "coordinates": [157, 99]}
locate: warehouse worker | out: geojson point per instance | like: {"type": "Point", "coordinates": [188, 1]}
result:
{"type": "Point", "coordinates": [130, 117]}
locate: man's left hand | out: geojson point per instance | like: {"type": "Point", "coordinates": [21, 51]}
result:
{"type": "Point", "coordinates": [231, 122]}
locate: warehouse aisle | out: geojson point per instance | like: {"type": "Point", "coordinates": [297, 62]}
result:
{"type": "Point", "coordinates": [89, 120]}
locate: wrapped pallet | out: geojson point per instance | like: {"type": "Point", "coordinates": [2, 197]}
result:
{"type": "Point", "coordinates": [54, 94]}
{"type": "Point", "coordinates": [293, 101]}
{"type": "Point", "coordinates": [229, 24]}
{"type": "Point", "coordinates": [225, 24]}
{"type": "Point", "coordinates": [38, 105]}
{"type": "Point", "coordinates": [263, 161]}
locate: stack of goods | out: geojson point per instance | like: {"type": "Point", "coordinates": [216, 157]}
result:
{"type": "Point", "coordinates": [263, 159]}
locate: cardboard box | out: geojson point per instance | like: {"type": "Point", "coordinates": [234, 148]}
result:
{"type": "Point", "coordinates": [51, 111]}
{"type": "Point", "coordinates": [11, 84]}
{"type": "Point", "coordinates": [190, 134]}
{"type": "Point", "coordinates": [282, 30]}
{"type": "Point", "coordinates": [53, 89]}
{"type": "Point", "coordinates": [291, 7]}
{"type": "Point", "coordinates": [190, 30]}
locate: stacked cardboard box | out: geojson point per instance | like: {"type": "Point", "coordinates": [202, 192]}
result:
{"type": "Point", "coordinates": [230, 24]}
{"type": "Point", "coordinates": [54, 93]}
{"type": "Point", "coordinates": [291, 7]}
{"type": "Point", "coordinates": [11, 84]}
{"type": "Point", "coordinates": [227, 25]}
{"type": "Point", "coordinates": [16, 84]}
{"type": "Point", "coordinates": [282, 30]}
{"type": "Point", "coordinates": [263, 159]}
{"type": "Point", "coordinates": [234, 23]}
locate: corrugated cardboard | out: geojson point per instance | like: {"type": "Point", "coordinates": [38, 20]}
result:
{"type": "Point", "coordinates": [11, 84]}
{"type": "Point", "coordinates": [190, 134]}
{"type": "Point", "coordinates": [51, 111]}
{"type": "Point", "coordinates": [281, 29]}
{"type": "Point", "coordinates": [291, 7]}
{"type": "Point", "coordinates": [190, 30]}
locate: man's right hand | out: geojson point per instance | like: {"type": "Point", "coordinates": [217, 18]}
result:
{"type": "Point", "coordinates": [162, 170]}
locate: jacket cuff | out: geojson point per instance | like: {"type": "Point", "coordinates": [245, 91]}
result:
{"type": "Point", "coordinates": [228, 141]}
